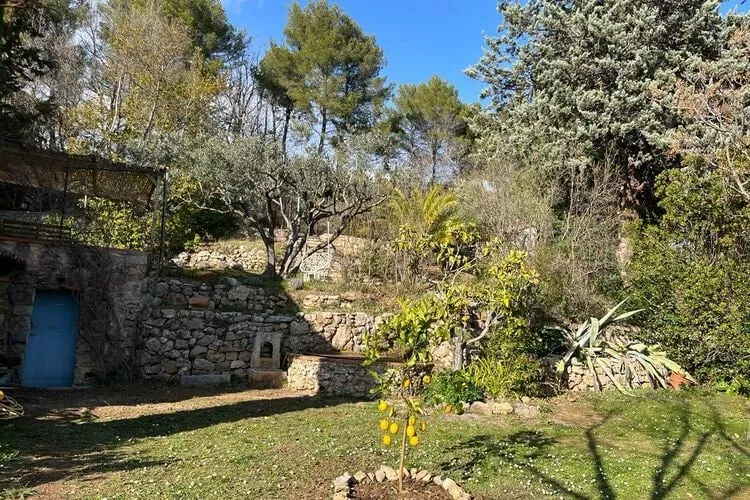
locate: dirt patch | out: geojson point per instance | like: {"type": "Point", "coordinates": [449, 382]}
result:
{"type": "Point", "coordinates": [413, 490]}
{"type": "Point", "coordinates": [112, 403]}
{"type": "Point", "coordinates": [572, 413]}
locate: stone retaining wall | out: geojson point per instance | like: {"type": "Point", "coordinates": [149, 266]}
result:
{"type": "Point", "coordinates": [578, 376]}
{"type": "Point", "coordinates": [252, 260]}
{"type": "Point", "coordinates": [199, 328]}
{"type": "Point", "coordinates": [335, 375]}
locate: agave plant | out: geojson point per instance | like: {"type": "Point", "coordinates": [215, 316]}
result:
{"type": "Point", "coordinates": [599, 349]}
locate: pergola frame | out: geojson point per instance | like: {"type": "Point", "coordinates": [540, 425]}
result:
{"type": "Point", "coordinates": [82, 175]}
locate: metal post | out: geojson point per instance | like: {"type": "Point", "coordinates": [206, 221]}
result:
{"type": "Point", "coordinates": [65, 199]}
{"type": "Point", "coordinates": [163, 221]}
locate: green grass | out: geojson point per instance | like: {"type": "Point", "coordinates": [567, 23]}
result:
{"type": "Point", "coordinates": [655, 445]}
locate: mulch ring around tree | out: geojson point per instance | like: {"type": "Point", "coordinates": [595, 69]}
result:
{"type": "Point", "coordinates": [383, 484]}
{"type": "Point", "coordinates": [413, 490]}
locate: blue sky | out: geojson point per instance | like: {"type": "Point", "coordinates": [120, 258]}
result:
{"type": "Point", "coordinates": [420, 38]}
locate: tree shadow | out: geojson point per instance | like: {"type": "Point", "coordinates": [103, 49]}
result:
{"type": "Point", "coordinates": [677, 458]}
{"type": "Point", "coordinates": [519, 449]}
{"type": "Point", "coordinates": [51, 449]}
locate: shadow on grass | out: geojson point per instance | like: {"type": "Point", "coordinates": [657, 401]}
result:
{"type": "Point", "coordinates": [684, 445]}
{"type": "Point", "coordinates": [55, 448]}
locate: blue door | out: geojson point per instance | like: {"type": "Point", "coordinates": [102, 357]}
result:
{"type": "Point", "coordinates": [50, 358]}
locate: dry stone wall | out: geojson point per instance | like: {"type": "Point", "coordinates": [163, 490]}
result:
{"type": "Point", "coordinates": [200, 328]}
{"type": "Point", "coordinates": [252, 260]}
{"type": "Point", "coordinates": [578, 376]}
{"type": "Point", "coordinates": [333, 375]}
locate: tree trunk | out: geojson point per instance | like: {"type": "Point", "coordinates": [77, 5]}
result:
{"type": "Point", "coordinates": [458, 353]}
{"type": "Point", "coordinates": [287, 117]}
{"type": "Point", "coordinates": [268, 242]}
{"type": "Point", "coordinates": [323, 127]}
{"type": "Point", "coordinates": [434, 166]}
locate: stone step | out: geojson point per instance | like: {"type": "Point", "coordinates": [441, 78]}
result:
{"type": "Point", "coordinates": [205, 380]}
{"type": "Point", "coordinates": [266, 379]}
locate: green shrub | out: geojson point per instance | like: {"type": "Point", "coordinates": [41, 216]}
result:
{"type": "Point", "coordinates": [452, 388]}
{"type": "Point", "coordinates": [518, 374]}
{"type": "Point", "coordinates": [739, 386]}
{"type": "Point", "coordinates": [690, 274]}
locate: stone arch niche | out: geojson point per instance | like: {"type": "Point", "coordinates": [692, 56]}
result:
{"type": "Point", "coordinates": [266, 351]}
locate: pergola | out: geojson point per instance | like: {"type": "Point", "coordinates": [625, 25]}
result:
{"type": "Point", "coordinates": [70, 175]}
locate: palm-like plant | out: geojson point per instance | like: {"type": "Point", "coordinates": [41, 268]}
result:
{"type": "Point", "coordinates": [599, 349]}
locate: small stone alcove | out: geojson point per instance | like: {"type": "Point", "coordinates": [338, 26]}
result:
{"type": "Point", "coordinates": [267, 351]}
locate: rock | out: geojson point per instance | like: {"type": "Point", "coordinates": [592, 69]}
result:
{"type": "Point", "coordinates": [198, 301]}
{"type": "Point", "coordinates": [371, 476]}
{"type": "Point", "coordinates": [420, 475]}
{"type": "Point", "coordinates": [481, 408]}
{"type": "Point", "coordinates": [437, 480]}
{"type": "Point", "coordinates": [342, 483]}
{"type": "Point", "coordinates": [502, 408]}
{"type": "Point", "coordinates": [413, 472]}
{"type": "Point", "coordinates": [527, 411]}
{"type": "Point", "coordinates": [454, 490]}
{"type": "Point", "coordinates": [202, 364]}
{"type": "Point", "coordinates": [390, 473]}
{"type": "Point", "coordinates": [238, 363]}
{"type": "Point", "coordinates": [170, 367]}
{"type": "Point", "coordinates": [206, 340]}
{"type": "Point", "coordinates": [379, 475]}
{"type": "Point", "coordinates": [161, 289]}
{"type": "Point", "coordinates": [238, 294]}
{"type": "Point", "coordinates": [526, 400]}
{"type": "Point", "coordinates": [360, 476]}
{"type": "Point", "coordinates": [341, 495]}
{"type": "Point", "coordinates": [197, 351]}
{"type": "Point", "coordinates": [153, 345]}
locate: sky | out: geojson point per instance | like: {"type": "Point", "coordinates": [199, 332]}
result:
{"type": "Point", "coordinates": [420, 38]}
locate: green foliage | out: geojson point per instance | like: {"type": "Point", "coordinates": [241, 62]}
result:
{"type": "Point", "coordinates": [329, 68]}
{"type": "Point", "coordinates": [598, 348]}
{"type": "Point", "coordinates": [209, 26]}
{"type": "Point", "coordinates": [431, 232]}
{"type": "Point", "coordinates": [690, 272]}
{"type": "Point", "coordinates": [453, 388]}
{"type": "Point", "coordinates": [420, 325]}
{"type": "Point", "coordinates": [26, 29]}
{"type": "Point", "coordinates": [432, 126]}
{"type": "Point", "coordinates": [739, 386]}
{"type": "Point", "coordinates": [599, 76]}
{"type": "Point", "coordinates": [516, 373]}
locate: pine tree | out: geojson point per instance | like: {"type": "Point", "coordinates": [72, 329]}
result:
{"type": "Point", "coordinates": [599, 76]}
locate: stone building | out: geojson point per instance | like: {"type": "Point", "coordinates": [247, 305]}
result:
{"type": "Point", "coordinates": [69, 312]}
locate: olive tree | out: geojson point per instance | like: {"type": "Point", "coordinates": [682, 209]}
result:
{"type": "Point", "coordinates": [269, 190]}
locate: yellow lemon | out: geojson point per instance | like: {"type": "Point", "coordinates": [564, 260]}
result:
{"type": "Point", "coordinates": [394, 428]}
{"type": "Point", "coordinates": [410, 430]}
{"type": "Point", "coordinates": [407, 383]}
{"type": "Point", "coordinates": [426, 380]}
{"type": "Point", "coordinates": [386, 439]}
{"type": "Point", "coordinates": [414, 440]}
{"type": "Point", "coordinates": [384, 424]}
{"type": "Point", "coordinates": [448, 408]}
{"type": "Point", "coordinates": [412, 420]}
{"type": "Point", "coordinates": [382, 406]}
{"type": "Point", "coordinates": [2, 395]}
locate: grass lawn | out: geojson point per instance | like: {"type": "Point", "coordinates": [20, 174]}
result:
{"type": "Point", "coordinates": [147, 442]}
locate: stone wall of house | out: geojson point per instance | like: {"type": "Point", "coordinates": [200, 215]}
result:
{"type": "Point", "coordinates": [196, 328]}
{"type": "Point", "coordinates": [108, 286]}
{"type": "Point", "coordinates": [334, 375]}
